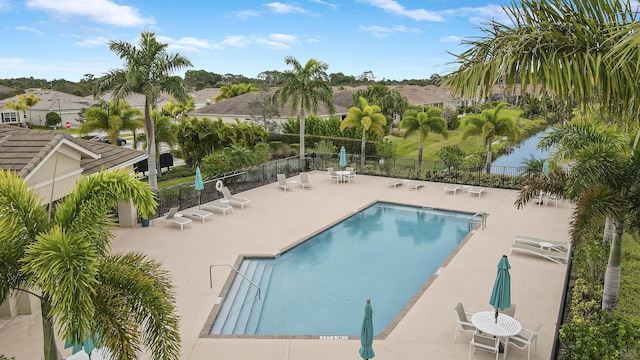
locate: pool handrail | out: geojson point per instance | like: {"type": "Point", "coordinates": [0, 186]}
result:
{"type": "Point", "coordinates": [237, 272]}
{"type": "Point", "coordinates": [483, 222]}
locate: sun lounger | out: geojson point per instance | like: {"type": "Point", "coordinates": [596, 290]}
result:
{"type": "Point", "coordinates": [218, 206]}
{"type": "Point", "coordinates": [558, 257]}
{"type": "Point", "coordinates": [282, 182]}
{"type": "Point", "coordinates": [394, 184]}
{"type": "Point", "coordinates": [414, 185]}
{"type": "Point", "coordinates": [174, 217]}
{"type": "Point", "coordinates": [199, 214]}
{"type": "Point", "coordinates": [536, 241]}
{"type": "Point", "coordinates": [452, 188]}
{"type": "Point", "coordinates": [304, 181]}
{"type": "Point", "coordinates": [475, 190]}
{"type": "Point", "coordinates": [234, 200]}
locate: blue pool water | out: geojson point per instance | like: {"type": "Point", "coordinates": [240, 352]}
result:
{"type": "Point", "coordinates": [385, 252]}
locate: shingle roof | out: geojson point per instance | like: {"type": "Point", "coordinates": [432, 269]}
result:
{"type": "Point", "coordinates": [22, 150]}
{"type": "Point", "coordinates": [239, 106]}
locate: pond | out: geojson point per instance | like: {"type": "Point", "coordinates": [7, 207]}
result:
{"type": "Point", "coordinates": [523, 152]}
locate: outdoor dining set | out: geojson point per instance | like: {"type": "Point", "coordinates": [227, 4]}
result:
{"type": "Point", "coordinates": [495, 331]}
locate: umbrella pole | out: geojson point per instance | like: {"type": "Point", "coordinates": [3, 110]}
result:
{"type": "Point", "coordinates": [496, 315]}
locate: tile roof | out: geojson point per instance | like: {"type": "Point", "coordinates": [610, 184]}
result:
{"type": "Point", "coordinates": [23, 149]}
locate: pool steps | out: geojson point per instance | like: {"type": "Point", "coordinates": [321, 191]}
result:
{"type": "Point", "coordinates": [241, 309]}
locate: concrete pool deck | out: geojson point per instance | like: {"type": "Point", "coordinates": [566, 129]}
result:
{"type": "Point", "coordinates": [276, 219]}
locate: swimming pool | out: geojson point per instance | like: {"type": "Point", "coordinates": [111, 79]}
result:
{"type": "Point", "coordinates": [386, 252]}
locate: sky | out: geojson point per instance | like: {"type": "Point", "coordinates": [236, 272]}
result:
{"type": "Point", "coordinates": [393, 39]}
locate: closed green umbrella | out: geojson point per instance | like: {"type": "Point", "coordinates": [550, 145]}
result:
{"type": "Point", "coordinates": [501, 294]}
{"type": "Point", "coordinates": [88, 344]}
{"type": "Point", "coordinates": [366, 334]}
{"type": "Point", "coordinates": [545, 167]}
{"type": "Point", "coordinates": [343, 157]}
{"type": "Point", "coordinates": [199, 184]}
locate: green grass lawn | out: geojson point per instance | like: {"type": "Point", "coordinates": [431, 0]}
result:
{"type": "Point", "coordinates": [408, 147]}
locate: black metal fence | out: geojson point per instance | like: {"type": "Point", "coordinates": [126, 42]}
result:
{"type": "Point", "coordinates": [185, 196]}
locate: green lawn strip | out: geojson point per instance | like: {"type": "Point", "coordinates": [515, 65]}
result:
{"type": "Point", "coordinates": [408, 147]}
{"type": "Point", "coordinates": [630, 281]}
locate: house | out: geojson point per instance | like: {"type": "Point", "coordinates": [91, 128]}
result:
{"type": "Point", "coordinates": [241, 107]}
{"type": "Point", "coordinates": [51, 162]}
{"type": "Point", "coordinates": [70, 108]}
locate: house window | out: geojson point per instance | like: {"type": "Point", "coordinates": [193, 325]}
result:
{"type": "Point", "coordinates": [9, 117]}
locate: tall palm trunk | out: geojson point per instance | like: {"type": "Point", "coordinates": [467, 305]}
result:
{"type": "Point", "coordinates": [612, 275]}
{"type": "Point", "coordinates": [363, 148]}
{"type": "Point", "coordinates": [489, 158]}
{"type": "Point", "coordinates": [151, 148]}
{"type": "Point", "coordinates": [419, 156]}
{"type": "Point", "coordinates": [49, 338]}
{"type": "Point", "coordinates": [302, 115]}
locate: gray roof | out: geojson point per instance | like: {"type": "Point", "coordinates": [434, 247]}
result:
{"type": "Point", "coordinates": [22, 149]}
{"type": "Point", "coordinates": [239, 106]}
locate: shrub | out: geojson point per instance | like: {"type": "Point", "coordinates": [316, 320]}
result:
{"type": "Point", "coordinates": [216, 164]}
{"type": "Point", "coordinates": [52, 118]}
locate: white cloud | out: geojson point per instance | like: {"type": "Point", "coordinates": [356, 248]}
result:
{"type": "Point", "coordinates": [451, 38]}
{"type": "Point", "coordinates": [480, 15]}
{"type": "Point", "coordinates": [36, 31]}
{"type": "Point", "coordinates": [187, 43]}
{"type": "Point", "coordinates": [383, 31]}
{"type": "Point", "coordinates": [236, 41]}
{"type": "Point", "coordinates": [283, 37]}
{"type": "Point", "coordinates": [393, 7]}
{"type": "Point", "coordinates": [5, 5]}
{"type": "Point", "coordinates": [93, 42]}
{"type": "Point", "coordinates": [246, 14]}
{"type": "Point", "coordinates": [100, 11]}
{"type": "Point", "coordinates": [333, 6]}
{"type": "Point", "coordinates": [281, 8]}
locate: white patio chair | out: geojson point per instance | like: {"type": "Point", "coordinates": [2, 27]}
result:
{"type": "Point", "coordinates": [484, 342]}
{"type": "Point", "coordinates": [463, 322]}
{"type": "Point", "coordinates": [524, 339]}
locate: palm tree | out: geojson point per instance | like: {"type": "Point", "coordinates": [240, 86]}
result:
{"type": "Point", "coordinates": [602, 182]}
{"type": "Point", "coordinates": [24, 102]}
{"type": "Point", "coordinates": [305, 88]}
{"type": "Point", "coordinates": [367, 116]}
{"type": "Point", "coordinates": [491, 124]}
{"type": "Point", "coordinates": [118, 117]}
{"type": "Point", "coordinates": [126, 300]}
{"type": "Point", "coordinates": [227, 92]}
{"type": "Point", "coordinates": [178, 109]}
{"type": "Point", "coordinates": [146, 71]}
{"type": "Point", "coordinates": [429, 121]}
{"type": "Point", "coordinates": [576, 51]}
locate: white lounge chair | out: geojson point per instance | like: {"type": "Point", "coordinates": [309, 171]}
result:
{"type": "Point", "coordinates": [414, 185]}
{"type": "Point", "coordinates": [558, 257]}
{"type": "Point", "coordinates": [475, 190]}
{"type": "Point", "coordinates": [394, 184]}
{"type": "Point", "coordinates": [452, 188]}
{"type": "Point", "coordinates": [304, 181]}
{"type": "Point", "coordinates": [534, 240]}
{"type": "Point", "coordinates": [174, 217]}
{"type": "Point", "coordinates": [282, 182]}
{"type": "Point", "coordinates": [234, 199]}
{"type": "Point", "coordinates": [199, 214]}
{"type": "Point", "coordinates": [217, 206]}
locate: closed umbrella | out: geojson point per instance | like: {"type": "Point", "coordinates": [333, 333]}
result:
{"type": "Point", "coordinates": [501, 294]}
{"type": "Point", "coordinates": [366, 334]}
{"type": "Point", "coordinates": [545, 167]}
{"type": "Point", "coordinates": [343, 157]}
{"type": "Point", "coordinates": [199, 185]}
{"type": "Point", "coordinates": [88, 344]}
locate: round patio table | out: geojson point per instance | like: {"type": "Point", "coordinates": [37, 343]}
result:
{"type": "Point", "coordinates": [505, 327]}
